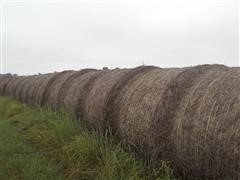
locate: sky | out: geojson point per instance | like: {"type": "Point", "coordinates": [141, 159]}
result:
{"type": "Point", "coordinates": [53, 35]}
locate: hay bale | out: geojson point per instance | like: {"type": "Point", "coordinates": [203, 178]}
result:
{"type": "Point", "coordinates": [20, 87]}
{"type": "Point", "coordinates": [206, 132]}
{"type": "Point", "coordinates": [114, 97]}
{"type": "Point", "coordinates": [82, 98]}
{"type": "Point", "coordinates": [64, 87]}
{"type": "Point", "coordinates": [53, 89]}
{"type": "Point", "coordinates": [76, 92]}
{"type": "Point", "coordinates": [44, 82]}
{"type": "Point", "coordinates": [35, 85]}
{"type": "Point", "coordinates": [135, 105]}
{"type": "Point", "coordinates": [3, 83]}
{"type": "Point", "coordinates": [28, 88]}
{"type": "Point", "coordinates": [8, 88]}
{"type": "Point", "coordinates": [176, 90]}
{"type": "Point", "coordinates": [15, 86]}
{"type": "Point", "coordinates": [24, 89]}
{"type": "Point", "coordinates": [145, 107]}
{"type": "Point", "coordinates": [94, 108]}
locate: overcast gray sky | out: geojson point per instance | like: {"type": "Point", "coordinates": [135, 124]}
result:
{"type": "Point", "coordinates": [52, 36]}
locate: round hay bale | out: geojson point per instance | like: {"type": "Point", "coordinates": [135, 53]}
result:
{"type": "Point", "coordinates": [15, 86]}
{"type": "Point", "coordinates": [43, 84]}
{"type": "Point", "coordinates": [95, 106]}
{"type": "Point", "coordinates": [136, 105]}
{"type": "Point", "coordinates": [76, 92]}
{"type": "Point", "coordinates": [82, 98]}
{"type": "Point", "coordinates": [20, 87]}
{"type": "Point", "coordinates": [145, 107]}
{"type": "Point", "coordinates": [3, 83]}
{"type": "Point", "coordinates": [38, 85]}
{"type": "Point", "coordinates": [24, 88]}
{"type": "Point", "coordinates": [115, 94]}
{"type": "Point", "coordinates": [206, 132]}
{"type": "Point", "coordinates": [28, 87]}
{"type": "Point", "coordinates": [52, 92]}
{"type": "Point", "coordinates": [175, 91]}
{"type": "Point", "coordinates": [8, 88]}
{"type": "Point", "coordinates": [35, 85]}
{"type": "Point", "coordinates": [64, 87]}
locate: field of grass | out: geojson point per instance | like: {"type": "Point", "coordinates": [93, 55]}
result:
{"type": "Point", "coordinates": [56, 146]}
{"type": "Point", "coordinates": [19, 160]}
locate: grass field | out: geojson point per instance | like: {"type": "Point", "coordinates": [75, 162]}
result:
{"type": "Point", "coordinates": [19, 160]}
{"type": "Point", "coordinates": [37, 143]}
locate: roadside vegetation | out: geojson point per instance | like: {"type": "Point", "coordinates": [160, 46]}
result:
{"type": "Point", "coordinates": [59, 147]}
{"type": "Point", "coordinates": [19, 160]}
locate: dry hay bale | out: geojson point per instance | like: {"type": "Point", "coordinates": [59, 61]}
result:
{"type": "Point", "coordinates": [12, 86]}
{"type": "Point", "coordinates": [114, 97]}
{"type": "Point", "coordinates": [53, 89]}
{"type": "Point", "coordinates": [206, 132]}
{"type": "Point", "coordinates": [34, 86]}
{"type": "Point", "coordinates": [8, 88]}
{"type": "Point", "coordinates": [82, 98]}
{"type": "Point", "coordinates": [3, 83]}
{"type": "Point", "coordinates": [20, 87]}
{"type": "Point", "coordinates": [15, 86]}
{"type": "Point", "coordinates": [32, 93]}
{"type": "Point", "coordinates": [176, 90]}
{"type": "Point", "coordinates": [64, 87]}
{"type": "Point", "coordinates": [43, 84]}
{"type": "Point", "coordinates": [135, 104]}
{"type": "Point", "coordinates": [94, 109]}
{"type": "Point", "coordinates": [26, 90]}
{"type": "Point", "coordinates": [76, 92]}
{"type": "Point", "coordinates": [144, 108]}
{"type": "Point", "coordinates": [39, 87]}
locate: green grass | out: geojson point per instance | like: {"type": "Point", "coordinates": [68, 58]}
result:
{"type": "Point", "coordinates": [82, 154]}
{"type": "Point", "coordinates": [19, 160]}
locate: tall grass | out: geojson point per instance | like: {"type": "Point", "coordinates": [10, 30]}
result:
{"type": "Point", "coordinates": [19, 160]}
{"type": "Point", "coordinates": [83, 154]}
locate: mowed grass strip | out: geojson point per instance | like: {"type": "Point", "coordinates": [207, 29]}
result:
{"type": "Point", "coordinates": [19, 160]}
{"type": "Point", "coordinates": [82, 154]}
